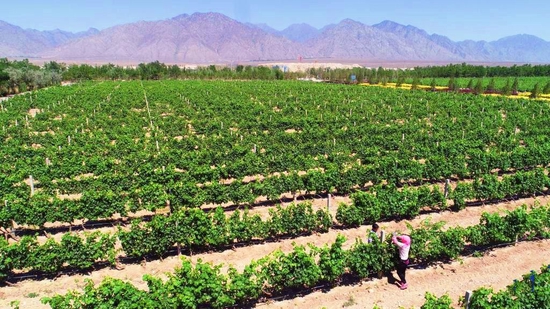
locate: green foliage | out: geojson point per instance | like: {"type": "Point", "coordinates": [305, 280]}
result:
{"type": "Point", "coordinates": [400, 81]}
{"type": "Point", "coordinates": [478, 88]}
{"type": "Point", "coordinates": [452, 85]}
{"type": "Point", "coordinates": [433, 302]}
{"type": "Point", "coordinates": [507, 89]}
{"type": "Point", "coordinates": [278, 273]}
{"type": "Point", "coordinates": [297, 269]}
{"type": "Point", "coordinates": [535, 92]}
{"type": "Point", "coordinates": [332, 260]}
{"type": "Point", "coordinates": [491, 86]}
{"type": "Point", "coordinates": [193, 229]}
{"type": "Point", "coordinates": [117, 168]}
{"type": "Point", "coordinates": [415, 83]}
{"type": "Point", "coordinates": [515, 86]}
{"type": "Point", "coordinates": [72, 252]}
{"type": "Point", "coordinates": [431, 243]}
{"type": "Point", "coordinates": [349, 215]}
{"type": "Point", "coordinates": [460, 194]}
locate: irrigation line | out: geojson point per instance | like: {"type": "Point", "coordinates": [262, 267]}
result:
{"type": "Point", "coordinates": [148, 109]}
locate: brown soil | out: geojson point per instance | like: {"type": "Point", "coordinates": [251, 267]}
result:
{"type": "Point", "coordinates": [33, 111]}
{"type": "Point", "coordinates": [454, 277]}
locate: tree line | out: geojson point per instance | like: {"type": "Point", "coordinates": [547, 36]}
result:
{"type": "Point", "coordinates": [19, 76]}
{"type": "Point", "coordinates": [383, 75]}
{"type": "Point", "coordinates": [157, 71]}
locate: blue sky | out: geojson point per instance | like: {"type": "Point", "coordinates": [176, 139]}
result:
{"type": "Point", "coordinates": [459, 20]}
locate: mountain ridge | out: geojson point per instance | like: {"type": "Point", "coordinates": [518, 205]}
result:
{"type": "Point", "coordinates": [214, 37]}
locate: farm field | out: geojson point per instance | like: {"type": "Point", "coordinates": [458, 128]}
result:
{"type": "Point", "coordinates": [464, 273]}
{"type": "Point", "coordinates": [525, 84]}
{"type": "Point", "coordinates": [91, 157]}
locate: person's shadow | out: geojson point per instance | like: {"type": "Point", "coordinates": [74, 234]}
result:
{"type": "Point", "coordinates": [391, 279]}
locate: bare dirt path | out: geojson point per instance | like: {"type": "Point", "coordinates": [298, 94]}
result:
{"type": "Point", "coordinates": [497, 269]}
{"type": "Point", "coordinates": [239, 257]}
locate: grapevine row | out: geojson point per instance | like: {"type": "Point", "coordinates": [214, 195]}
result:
{"type": "Point", "coordinates": [101, 199]}
{"type": "Point", "coordinates": [207, 131]}
{"type": "Point", "coordinates": [203, 284]}
{"type": "Point", "coordinates": [192, 229]}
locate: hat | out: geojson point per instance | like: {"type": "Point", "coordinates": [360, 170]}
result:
{"type": "Point", "coordinates": [406, 239]}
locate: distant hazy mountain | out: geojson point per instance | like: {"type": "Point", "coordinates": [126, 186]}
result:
{"type": "Point", "coordinates": [199, 38]}
{"type": "Point", "coordinates": [264, 27]}
{"type": "Point", "coordinates": [353, 40]}
{"type": "Point", "coordinates": [522, 47]}
{"type": "Point", "coordinates": [15, 41]}
{"type": "Point", "coordinates": [213, 37]}
{"type": "Point", "coordinates": [300, 32]}
{"type": "Point", "coordinates": [519, 48]}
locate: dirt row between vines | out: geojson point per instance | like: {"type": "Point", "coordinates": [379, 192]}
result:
{"type": "Point", "coordinates": [30, 291]}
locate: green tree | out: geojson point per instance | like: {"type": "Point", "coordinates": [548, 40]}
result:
{"type": "Point", "coordinates": [478, 89]}
{"type": "Point", "coordinates": [415, 83]}
{"type": "Point", "coordinates": [546, 88]}
{"type": "Point", "coordinates": [400, 81]}
{"type": "Point", "coordinates": [507, 89]}
{"type": "Point", "coordinates": [535, 92]}
{"type": "Point", "coordinates": [470, 84]}
{"type": "Point", "coordinates": [54, 66]}
{"type": "Point", "coordinates": [174, 71]}
{"type": "Point", "coordinates": [515, 86]}
{"type": "Point", "coordinates": [491, 86]}
{"type": "Point", "coordinates": [433, 84]}
{"type": "Point", "coordinates": [452, 84]}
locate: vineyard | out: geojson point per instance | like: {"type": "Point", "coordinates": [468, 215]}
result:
{"type": "Point", "coordinates": [531, 292]}
{"type": "Point", "coordinates": [108, 174]}
{"type": "Point", "coordinates": [525, 84]}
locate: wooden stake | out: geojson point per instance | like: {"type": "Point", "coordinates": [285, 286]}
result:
{"type": "Point", "coordinates": [32, 184]}
{"type": "Point", "coordinates": [447, 187]}
{"type": "Point", "coordinates": [467, 298]}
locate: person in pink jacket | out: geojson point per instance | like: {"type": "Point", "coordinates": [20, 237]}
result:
{"type": "Point", "coordinates": [403, 242]}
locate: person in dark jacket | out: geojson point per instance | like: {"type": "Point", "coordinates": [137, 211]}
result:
{"type": "Point", "coordinates": [373, 233]}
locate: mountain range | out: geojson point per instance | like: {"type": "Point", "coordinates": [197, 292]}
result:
{"type": "Point", "coordinates": [216, 38]}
